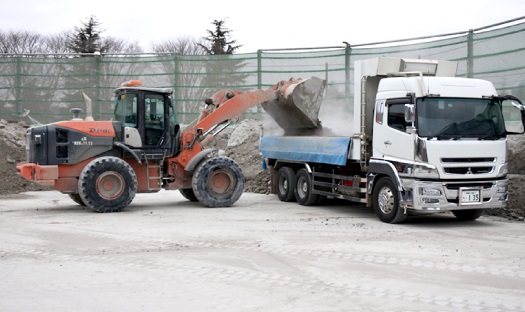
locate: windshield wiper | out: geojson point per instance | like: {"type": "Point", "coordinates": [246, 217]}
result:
{"type": "Point", "coordinates": [490, 137]}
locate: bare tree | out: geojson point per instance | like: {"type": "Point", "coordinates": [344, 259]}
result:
{"type": "Point", "coordinates": [20, 42]}
{"type": "Point", "coordinates": [115, 45]}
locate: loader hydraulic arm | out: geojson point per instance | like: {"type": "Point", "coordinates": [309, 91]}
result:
{"type": "Point", "coordinates": [232, 109]}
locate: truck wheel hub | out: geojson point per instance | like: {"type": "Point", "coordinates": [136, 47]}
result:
{"type": "Point", "coordinates": [386, 200]}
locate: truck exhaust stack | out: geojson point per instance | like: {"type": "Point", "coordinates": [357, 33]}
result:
{"type": "Point", "coordinates": [297, 103]}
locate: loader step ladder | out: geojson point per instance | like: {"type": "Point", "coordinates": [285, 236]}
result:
{"type": "Point", "coordinates": [157, 160]}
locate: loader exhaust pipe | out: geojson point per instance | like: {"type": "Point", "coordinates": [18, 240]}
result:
{"type": "Point", "coordinates": [89, 110]}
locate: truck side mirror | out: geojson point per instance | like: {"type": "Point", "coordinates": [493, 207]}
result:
{"type": "Point", "coordinates": [410, 113]}
{"type": "Point", "coordinates": [514, 120]}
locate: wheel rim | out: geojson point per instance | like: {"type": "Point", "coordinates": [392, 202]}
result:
{"type": "Point", "coordinates": [220, 182]}
{"type": "Point", "coordinates": [302, 187]}
{"type": "Point", "coordinates": [386, 200]}
{"type": "Point", "coordinates": [283, 185]}
{"type": "Point", "coordinates": [110, 185]}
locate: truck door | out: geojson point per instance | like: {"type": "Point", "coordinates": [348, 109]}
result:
{"type": "Point", "coordinates": [390, 139]}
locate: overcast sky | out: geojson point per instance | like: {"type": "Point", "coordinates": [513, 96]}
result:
{"type": "Point", "coordinates": [267, 24]}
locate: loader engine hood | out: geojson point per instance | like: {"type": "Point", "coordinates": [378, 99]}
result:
{"type": "Point", "coordinates": [69, 142]}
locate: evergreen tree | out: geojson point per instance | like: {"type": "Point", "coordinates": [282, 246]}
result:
{"type": "Point", "coordinates": [223, 69]}
{"type": "Point", "coordinates": [87, 38]}
{"type": "Point", "coordinates": [219, 40]}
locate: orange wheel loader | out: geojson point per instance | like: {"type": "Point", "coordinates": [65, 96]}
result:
{"type": "Point", "coordinates": [103, 164]}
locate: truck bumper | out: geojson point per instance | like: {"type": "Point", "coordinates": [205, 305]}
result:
{"type": "Point", "coordinates": [45, 175]}
{"type": "Point", "coordinates": [446, 196]}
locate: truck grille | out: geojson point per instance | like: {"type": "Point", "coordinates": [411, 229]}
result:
{"type": "Point", "coordinates": [468, 170]}
{"type": "Point", "coordinates": [468, 160]}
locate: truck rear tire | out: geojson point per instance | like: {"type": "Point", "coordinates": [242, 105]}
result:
{"type": "Point", "coordinates": [107, 184]}
{"type": "Point", "coordinates": [218, 182]}
{"type": "Point", "coordinates": [286, 184]}
{"type": "Point", "coordinates": [468, 215]}
{"type": "Point", "coordinates": [189, 194]}
{"type": "Point", "coordinates": [386, 201]}
{"type": "Point", "coordinates": [77, 199]}
{"type": "Point", "coordinates": [303, 189]}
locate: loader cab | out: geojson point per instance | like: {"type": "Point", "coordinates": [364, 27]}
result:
{"type": "Point", "coordinates": [147, 116]}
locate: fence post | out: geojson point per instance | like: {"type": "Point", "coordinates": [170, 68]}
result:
{"type": "Point", "coordinates": [348, 52]}
{"type": "Point", "coordinates": [97, 86]}
{"type": "Point", "coordinates": [470, 54]}
{"type": "Point", "coordinates": [18, 86]}
{"type": "Point", "coordinates": [259, 68]}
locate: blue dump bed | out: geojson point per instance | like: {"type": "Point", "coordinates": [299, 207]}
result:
{"type": "Point", "coordinates": [325, 150]}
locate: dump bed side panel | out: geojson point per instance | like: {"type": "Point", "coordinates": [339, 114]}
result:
{"type": "Point", "coordinates": [325, 150]}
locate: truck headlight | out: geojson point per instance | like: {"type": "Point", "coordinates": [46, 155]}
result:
{"type": "Point", "coordinates": [503, 170]}
{"type": "Point", "coordinates": [426, 172]}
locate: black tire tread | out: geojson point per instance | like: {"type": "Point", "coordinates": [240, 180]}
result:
{"type": "Point", "coordinates": [88, 176]}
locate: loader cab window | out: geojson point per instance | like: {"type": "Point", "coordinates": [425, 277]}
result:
{"type": "Point", "coordinates": [154, 118]}
{"type": "Point", "coordinates": [126, 110]}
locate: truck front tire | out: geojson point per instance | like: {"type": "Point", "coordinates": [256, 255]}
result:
{"type": "Point", "coordinates": [386, 201]}
{"type": "Point", "coordinates": [303, 189]}
{"type": "Point", "coordinates": [286, 184]}
{"type": "Point", "coordinates": [218, 182]}
{"type": "Point", "coordinates": [107, 184]}
{"type": "Point", "coordinates": [468, 215]}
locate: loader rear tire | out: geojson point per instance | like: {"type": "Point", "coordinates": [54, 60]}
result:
{"type": "Point", "coordinates": [286, 184]}
{"type": "Point", "coordinates": [303, 189]}
{"type": "Point", "coordinates": [107, 184]}
{"type": "Point", "coordinates": [189, 194]}
{"type": "Point", "coordinates": [77, 199]}
{"type": "Point", "coordinates": [218, 182]}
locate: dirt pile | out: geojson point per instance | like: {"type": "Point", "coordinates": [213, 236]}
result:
{"type": "Point", "coordinates": [241, 143]}
{"type": "Point", "coordinates": [12, 151]}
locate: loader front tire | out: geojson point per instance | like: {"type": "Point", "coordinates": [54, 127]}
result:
{"type": "Point", "coordinates": [189, 194]}
{"type": "Point", "coordinates": [77, 199]}
{"type": "Point", "coordinates": [107, 184]}
{"type": "Point", "coordinates": [218, 182]}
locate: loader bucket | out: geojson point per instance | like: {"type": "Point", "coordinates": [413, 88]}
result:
{"type": "Point", "coordinates": [297, 104]}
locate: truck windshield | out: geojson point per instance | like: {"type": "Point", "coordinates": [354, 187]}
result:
{"type": "Point", "coordinates": [454, 118]}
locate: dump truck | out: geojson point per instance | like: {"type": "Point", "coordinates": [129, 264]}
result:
{"type": "Point", "coordinates": [142, 149]}
{"type": "Point", "coordinates": [421, 141]}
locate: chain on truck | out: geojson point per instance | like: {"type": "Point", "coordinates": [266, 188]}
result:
{"type": "Point", "coordinates": [423, 141]}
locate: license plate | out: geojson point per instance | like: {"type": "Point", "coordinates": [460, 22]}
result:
{"type": "Point", "coordinates": [470, 197]}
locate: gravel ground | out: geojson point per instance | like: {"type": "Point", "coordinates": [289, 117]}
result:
{"type": "Point", "coordinates": [166, 253]}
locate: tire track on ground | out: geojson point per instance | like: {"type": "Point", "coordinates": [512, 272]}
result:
{"type": "Point", "coordinates": [220, 273]}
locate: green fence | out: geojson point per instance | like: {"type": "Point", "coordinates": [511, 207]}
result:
{"type": "Point", "coordinates": [48, 86]}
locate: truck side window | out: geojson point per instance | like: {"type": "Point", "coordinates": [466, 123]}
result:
{"type": "Point", "coordinates": [396, 116]}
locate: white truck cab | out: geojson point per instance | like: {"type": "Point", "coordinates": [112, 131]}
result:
{"type": "Point", "coordinates": [439, 140]}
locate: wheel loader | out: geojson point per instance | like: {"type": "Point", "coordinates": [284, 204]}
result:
{"type": "Point", "coordinates": [103, 164]}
